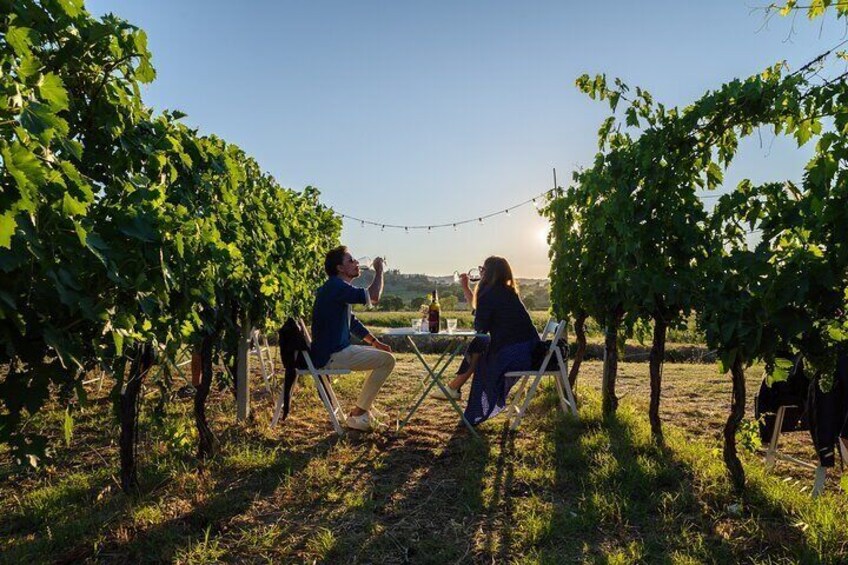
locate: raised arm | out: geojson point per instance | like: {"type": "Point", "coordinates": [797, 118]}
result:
{"type": "Point", "coordinates": [466, 289]}
{"type": "Point", "coordinates": [375, 291]}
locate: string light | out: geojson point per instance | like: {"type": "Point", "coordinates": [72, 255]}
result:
{"type": "Point", "coordinates": [537, 201]}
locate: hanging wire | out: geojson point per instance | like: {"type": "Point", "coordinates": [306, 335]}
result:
{"type": "Point", "coordinates": [479, 219]}
{"type": "Point", "coordinates": [454, 224]}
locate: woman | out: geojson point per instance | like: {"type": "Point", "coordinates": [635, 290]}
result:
{"type": "Point", "coordinates": [500, 313]}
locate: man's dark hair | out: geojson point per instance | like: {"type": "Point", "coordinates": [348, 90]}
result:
{"type": "Point", "coordinates": [334, 258]}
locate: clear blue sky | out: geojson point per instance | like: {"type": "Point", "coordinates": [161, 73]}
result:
{"type": "Point", "coordinates": [436, 111]}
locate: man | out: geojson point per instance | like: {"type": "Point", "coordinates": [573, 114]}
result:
{"type": "Point", "coordinates": [333, 322]}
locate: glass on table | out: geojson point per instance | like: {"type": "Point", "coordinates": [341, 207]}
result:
{"type": "Point", "coordinates": [451, 325]}
{"type": "Point", "coordinates": [416, 325]}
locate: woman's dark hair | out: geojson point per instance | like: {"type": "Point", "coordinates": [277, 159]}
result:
{"type": "Point", "coordinates": [334, 258]}
{"type": "Point", "coordinates": [496, 272]}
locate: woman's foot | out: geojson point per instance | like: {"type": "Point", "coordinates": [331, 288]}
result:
{"type": "Point", "coordinates": [454, 393]}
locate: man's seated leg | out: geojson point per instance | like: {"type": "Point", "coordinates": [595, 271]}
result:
{"type": "Point", "coordinates": [362, 358]}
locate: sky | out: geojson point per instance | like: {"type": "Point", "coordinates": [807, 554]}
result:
{"type": "Point", "coordinates": [434, 112]}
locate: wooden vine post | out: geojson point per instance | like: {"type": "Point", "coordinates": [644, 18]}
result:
{"type": "Point", "coordinates": [243, 371]}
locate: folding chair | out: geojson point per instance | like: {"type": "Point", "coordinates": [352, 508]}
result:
{"type": "Point", "coordinates": [772, 453]}
{"type": "Point", "coordinates": [322, 383]}
{"type": "Point", "coordinates": [262, 351]}
{"type": "Point", "coordinates": [550, 329]}
{"type": "Point", "coordinates": [566, 396]}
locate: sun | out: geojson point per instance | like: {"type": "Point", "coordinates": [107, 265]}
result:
{"type": "Point", "coordinates": [543, 234]}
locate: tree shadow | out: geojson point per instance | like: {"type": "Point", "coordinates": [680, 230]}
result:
{"type": "Point", "coordinates": [235, 494]}
{"type": "Point", "coordinates": [418, 505]}
{"type": "Point", "coordinates": [621, 495]}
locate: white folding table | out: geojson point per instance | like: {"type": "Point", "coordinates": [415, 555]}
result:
{"type": "Point", "coordinates": [457, 341]}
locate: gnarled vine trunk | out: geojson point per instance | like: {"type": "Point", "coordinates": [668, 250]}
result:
{"type": "Point", "coordinates": [656, 367]}
{"type": "Point", "coordinates": [580, 333]}
{"type": "Point", "coordinates": [128, 410]}
{"type": "Point", "coordinates": [207, 444]}
{"type": "Point", "coordinates": [737, 412]}
{"type": "Point", "coordinates": [609, 401]}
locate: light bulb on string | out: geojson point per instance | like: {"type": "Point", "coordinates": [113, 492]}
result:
{"type": "Point", "coordinates": [535, 204]}
{"type": "Point", "coordinates": [454, 227]}
{"type": "Point", "coordinates": [362, 223]}
{"type": "Point", "coordinates": [507, 211]}
{"type": "Point", "coordinates": [383, 228]}
{"type": "Point", "coordinates": [406, 230]}
{"type": "Point", "coordinates": [480, 220]}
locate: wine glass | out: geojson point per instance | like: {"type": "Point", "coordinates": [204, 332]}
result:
{"type": "Point", "coordinates": [367, 263]}
{"type": "Point", "coordinates": [474, 275]}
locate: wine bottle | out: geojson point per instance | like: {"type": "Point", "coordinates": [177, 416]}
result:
{"type": "Point", "coordinates": [433, 313]}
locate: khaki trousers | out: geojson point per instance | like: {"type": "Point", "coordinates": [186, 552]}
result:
{"type": "Point", "coordinates": [362, 358]}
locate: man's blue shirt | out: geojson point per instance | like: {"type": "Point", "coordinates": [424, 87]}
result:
{"type": "Point", "coordinates": [332, 318]}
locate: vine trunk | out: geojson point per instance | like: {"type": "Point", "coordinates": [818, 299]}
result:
{"type": "Point", "coordinates": [128, 410]}
{"type": "Point", "coordinates": [737, 411]}
{"type": "Point", "coordinates": [207, 443]}
{"type": "Point", "coordinates": [656, 367]}
{"type": "Point", "coordinates": [580, 333]}
{"type": "Point", "coordinates": [609, 400]}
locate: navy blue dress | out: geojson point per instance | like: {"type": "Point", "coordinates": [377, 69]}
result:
{"type": "Point", "coordinates": [512, 339]}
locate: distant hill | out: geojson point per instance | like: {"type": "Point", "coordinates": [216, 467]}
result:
{"type": "Point", "coordinates": [416, 287]}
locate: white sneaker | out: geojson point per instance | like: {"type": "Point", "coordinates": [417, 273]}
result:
{"type": "Point", "coordinates": [361, 422]}
{"type": "Point", "coordinates": [437, 393]}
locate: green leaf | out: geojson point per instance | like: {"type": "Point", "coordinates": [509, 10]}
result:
{"type": "Point", "coordinates": [140, 228]}
{"type": "Point", "coordinates": [118, 338]}
{"type": "Point", "coordinates": [72, 8]}
{"type": "Point", "coordinates": [38, 118]}
{"type": "Point", "coordinates": [29, 66]}
{"type": "Point", "coordinates": [81, 233]}
{"type": "Point", "coordinates": [7, 229]}
{"type": "Point", "coordinates": [178, 240]}
{"type": "Point", "coordinates": [714, 175]}
{"type": "Point", "coordinates": [145, 72]}
{"type": "Point", "coordinates": [780, 372]}
{"type": "Point", "coordinates": [73, 207]}
{"type": "Point", "coordinates": [53, 92]}
{"type": "Point", "coordinates": [788, 7]}
{"type": "Point", "coordinates": [68, 427]}
{"type": "Point", "coordinates": [140, 39]}
{"type": "Point", "coordinates": [27, 171]}
{"type": "Point", "coordinates": [803, 133]}
{"type": "Point", "coordinates": [21, 40]}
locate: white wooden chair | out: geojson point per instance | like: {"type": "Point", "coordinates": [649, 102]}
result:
{"type": "Point", "coordinates": [260, 348]}
{"type": "Point", "coordinates": [772, 454]}
{"type": "Point", "coordinates": [566, 396]}
{"type": "Point", "coordinates": [321, 377]}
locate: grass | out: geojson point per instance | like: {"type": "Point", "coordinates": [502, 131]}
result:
{"type": "Point", "coordinates": [595, 490]}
